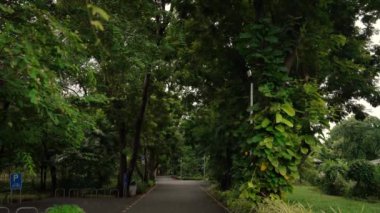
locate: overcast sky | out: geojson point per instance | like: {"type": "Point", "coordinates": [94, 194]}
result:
{"type": "Point", "coordinates": [369, 109]}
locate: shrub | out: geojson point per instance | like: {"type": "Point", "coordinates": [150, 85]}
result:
{"type": "Point", "coordinates": [142, 187]}
{"type": "Point", "coordinates": [66, 209]}
{"type": "Point", "coordinates": [240, 205]}
{"type": "Point", "coordinates": [376, 178]}
{"type": "Point", "coordinates": [231, 200]}
{"type": "Point", "coordinates": [363, 173]}
{"type": "Point", "coordinates": [334, 181]}
{"type": "Point", "coordinates": [311, 175]}
{"type": "Point", "coordinates": [279, 206]}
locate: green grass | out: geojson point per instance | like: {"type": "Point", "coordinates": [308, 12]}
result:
{"type": "Point", "coordinates": [319, 202]}
{"type": "Point", "coordinates": [66, 209]}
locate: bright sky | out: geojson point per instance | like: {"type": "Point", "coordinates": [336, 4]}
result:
{"type": "Point", "coordinates": [369, 109]}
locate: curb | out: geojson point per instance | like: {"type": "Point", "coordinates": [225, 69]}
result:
{"type": "Point", "coordinates": [139, 199]}
{"type": "Point", "coordinates": [215, 200]}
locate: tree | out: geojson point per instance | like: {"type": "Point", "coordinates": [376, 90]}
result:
{"type": "Point", "coordinates": [41, 60]}
{"type": "Point", "coordinates": [302, 61]}
{"type": "Point", "coordinates": [354, 139]}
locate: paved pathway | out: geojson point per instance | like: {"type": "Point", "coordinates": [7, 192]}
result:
{"type": "Point", "coordinates": [168, 196]}
{"type": "Point", "coordinates": [176, 196]}
{"type": "Point", "coordinates": [90, 205]}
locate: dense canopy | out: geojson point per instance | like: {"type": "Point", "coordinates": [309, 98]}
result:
{"type": "Point", "coordinates": [136, 88]}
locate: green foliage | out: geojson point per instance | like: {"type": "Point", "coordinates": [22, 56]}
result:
{"type": "Point", "coordinates": [334, 180]}
{"type": "Point", "coordinates": [356, 139]}
{"type": "Point", "coordinates": [281, 207]}
{"type": "Point", "coordinates": [71, 76]}
{"type": "Point", "coordinates": [310, 173]}
{"type": "Point", "coordinates": [310, 196]}
{"type": "Point", "coordinates": [66, 209]}
{"type": "Point", "coordinates": [377, 181]}
{"type": "Point", "coordinates": [280, 134]}
{"type": "Point", "coordinates": [302, 61]}
{"type": "Point", "coordinates": [42, 61]}
{"type": "Point", "coordinates": [363, 173]}
{"type": "Point", "coordinates": [231, 200]}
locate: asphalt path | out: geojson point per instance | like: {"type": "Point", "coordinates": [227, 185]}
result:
{"type": "Point", "coordinates": [168, 196]}
{"type": "Point", "coordinates": [89, 205]}
{"type": "Point", "coordinates": [175, 196]}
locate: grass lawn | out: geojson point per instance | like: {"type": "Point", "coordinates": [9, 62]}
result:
{"type": "Point", "coordinates": [319, 202]}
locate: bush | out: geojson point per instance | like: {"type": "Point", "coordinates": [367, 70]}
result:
{"type": "Point", "coordinates": [279, 206]}
{"type": "Point", "coordinates": [363, 173]}
{"type": "Point", "coordinates": [376, 178]}
{"type": "Point", "coordinates": [231, 200]}
{"type": "Point", "coordinates": [334, 181]}
{"type": "Point", "coordinates": [142, 187]}
{"type": "Point", "coordinates": [311, 175]}
{"type": "Point", "coordinates": [66, 209]}
{"type": "Point", "coordinates": [240, 205]}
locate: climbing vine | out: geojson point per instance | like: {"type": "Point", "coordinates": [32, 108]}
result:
{"type": "Point", "coordinates": [284, 118]}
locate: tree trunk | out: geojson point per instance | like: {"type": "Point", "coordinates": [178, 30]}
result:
{"type": "Point", "coordinates": [139, 123]}
{"type": "Point", "coordinates": [123, 158]}
{"type": "Point", "coordinates": [151, 165]}
{"type": "Point", "coordinates": [43, 178]}
{"type": "Point", "coordinates": [145, 166]}
{"type": "Point", "coordinates": [226, 181]}
{"type": "Point", "coordinates": [53, 175]}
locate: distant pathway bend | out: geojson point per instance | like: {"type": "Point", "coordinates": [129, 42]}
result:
{"type": "Point", "coordinates": [175, 196]}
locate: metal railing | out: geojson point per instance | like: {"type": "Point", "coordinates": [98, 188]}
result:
{"type": "Point", "coordinates": [74, 192]}
{"type": "Point", "coordinates": [60, 190]}
{"type": "Point", "coordinates": [113, 191]}
{"type": "Point", "coordinates": [4, 208]}
{"type": "Point", "coordinates": [48, 209]}
{"type": "Point", "coordinates": [27, 208]}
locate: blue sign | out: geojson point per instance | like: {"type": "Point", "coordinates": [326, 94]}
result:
{"type": "Point", "coordinates": [16, 181]}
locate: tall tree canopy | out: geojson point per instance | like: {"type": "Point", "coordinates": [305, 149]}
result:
{"type": "Point", "coordinates": [307, 61]}
{"type": "Point", "coordinates": [356, 139]}
{"type": "Point", "coordinates": [152, 77]}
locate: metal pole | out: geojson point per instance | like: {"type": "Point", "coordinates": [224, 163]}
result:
{"type": "Point", "coordinates": [251, 103]}
{"type": "Point", "coordinates": [181, 168]}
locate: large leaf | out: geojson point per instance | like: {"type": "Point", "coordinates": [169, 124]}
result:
{"type": "Point", "coordinates": [265, 122]}
{"type": "Point", "coordinates": [288, 109]}
{"type": "Point", "coordinates": [98, 11]}
{"type": "Point", "coordinates": [280, 119]}
{"type": "Point", "coordinates": [255, 139]}
{"type": "Point", "coordinates": [282, 170]}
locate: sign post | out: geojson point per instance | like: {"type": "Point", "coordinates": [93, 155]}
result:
{"type": "Point", "coordinates": [15, 182]}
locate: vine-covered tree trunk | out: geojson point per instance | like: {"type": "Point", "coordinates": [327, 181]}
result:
{"type": "Point", "coordinates": [139, 123]}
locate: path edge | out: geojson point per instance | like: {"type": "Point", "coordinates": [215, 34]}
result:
{"type": "Point", "coordinates": [215, 200]}
{"type": "Point", "coordinates": [139, 199]}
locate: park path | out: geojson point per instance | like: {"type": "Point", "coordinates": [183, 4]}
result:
{"type": "Point", "coordinates": [168, 196]}
{"type": "Point", "coordinates": [175, 196]}
{"type": "Point", "coordinates": [89, 205]}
